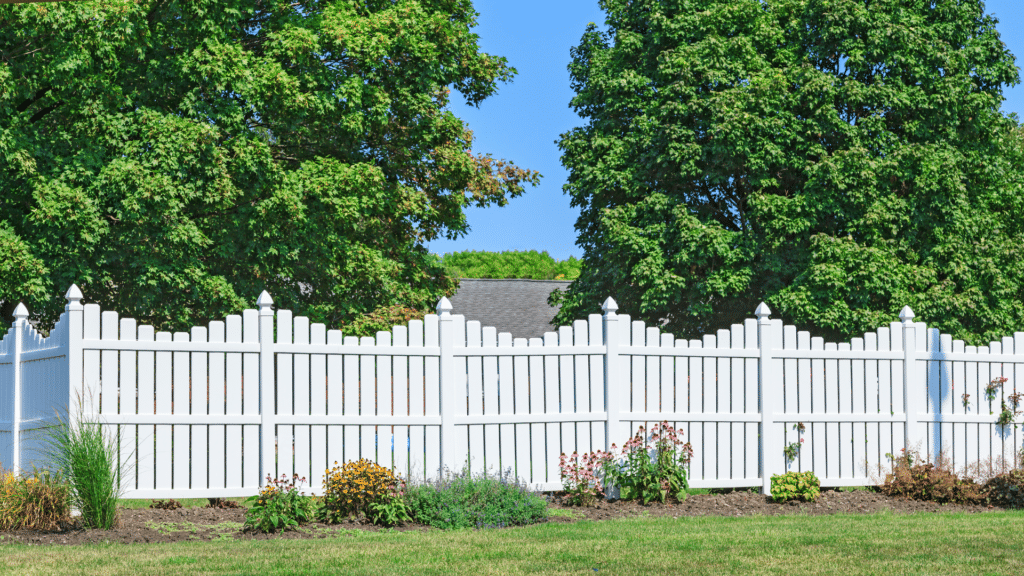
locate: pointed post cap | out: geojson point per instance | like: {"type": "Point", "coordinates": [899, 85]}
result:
{"type": "Point", "coordinates": [73, 293]}
{"type": "Point", "coordinates": [74, 297]}
{"type": "Point", "coordinates": [906, 314]}
{"type": "Point", "coordinates": [444, 307]}
{"type": "Point", "coordinates": [762, 311]}
{"type": "Point", "coordinates": [21, 312]}
{"type": "Point", "coordinates": [609, 307]}
{"type": "Point", "coordinates": [265, 302]}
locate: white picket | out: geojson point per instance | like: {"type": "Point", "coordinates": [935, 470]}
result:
{"type": "Point", "coordinates": [200, 390]}
{"type": "Point", "coordinates": [145, 461]}
{"type": "Point", "coordinates": [384, 404]}
{"type": "Point", "coordinates": [490, 394]}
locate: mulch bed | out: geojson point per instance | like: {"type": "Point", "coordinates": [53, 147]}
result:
{"type": "Point", "coordinates": [146, 525]}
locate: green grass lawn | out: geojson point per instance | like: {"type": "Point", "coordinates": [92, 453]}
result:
{"type": "Point", "coordinates": [857, 544]}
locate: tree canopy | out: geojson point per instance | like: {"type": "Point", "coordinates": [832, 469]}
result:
{"type": "Point", "coordinates": [528, 264]}
{"type": "Point", "coordinates": [174, 159]}
{"type": "Point", "coordinates": [838, 159]}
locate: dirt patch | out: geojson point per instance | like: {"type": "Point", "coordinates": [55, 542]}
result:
{"type": "Point", "coordinates": [146, 525]}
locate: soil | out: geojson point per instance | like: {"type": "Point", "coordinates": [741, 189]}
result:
{"type": "Point", "coordinates": [147, 525]}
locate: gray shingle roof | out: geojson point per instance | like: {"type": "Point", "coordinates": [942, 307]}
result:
{"type": "Point", "coordinates": [516, 306]}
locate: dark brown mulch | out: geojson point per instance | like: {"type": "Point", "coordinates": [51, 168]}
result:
{"type": "Point", "coordinates": [146, 525]}
{"type": "Point", "coordinates": [748, 503]}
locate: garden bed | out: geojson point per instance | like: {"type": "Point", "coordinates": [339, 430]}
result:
{"type": "Point", "coordinates": [146, 525]}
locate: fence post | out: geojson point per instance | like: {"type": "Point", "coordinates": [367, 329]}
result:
{"type": "Point", "coordinates": [768, 394]}
{"type": "Point", "coordinates": [911, 394]}
{"type": "Point", "coordinates": [20, 317]}
{"type": "Point", "coordinates": [268, 420]}
{"type": "Point", "coordinates": [613, 388]}
{"type": "Point", "coordinates": [447, 385]}
{"type": "Point", "coordinates": [76, 317]}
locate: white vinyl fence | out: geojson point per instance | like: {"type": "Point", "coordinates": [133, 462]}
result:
{"type": "Point", "coordinates": [213, 411]}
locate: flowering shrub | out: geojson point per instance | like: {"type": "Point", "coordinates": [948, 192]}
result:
{"type": "Point", "coordinates": [579, 476]}
{"type": "Point", "coordinates": [279, 506]}
{"type": "Point", "coordinates": [38, 502]}
{"type": "Point", "coordinates": [364, 487]}
{"type": "Point", "coordinates": [651, 467]}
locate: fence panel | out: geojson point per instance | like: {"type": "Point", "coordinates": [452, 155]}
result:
{"type": "Point", "coordinates": [187, 425]}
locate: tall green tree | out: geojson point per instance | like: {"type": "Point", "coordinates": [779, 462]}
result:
{"type": "Point", "coordinates": [838, 159]}
{"type": "Point", "coordinates": [176, 158]}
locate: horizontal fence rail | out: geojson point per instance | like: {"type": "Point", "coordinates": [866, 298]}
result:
{"type": "Point", "coordinates": [443, 392]}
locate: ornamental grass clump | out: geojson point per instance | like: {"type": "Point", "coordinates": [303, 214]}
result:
{"type": "Point", "coordinates": [462, 500]}
{"type": "Point", "coordinates": [41, 501]}
{"type": "Point", "coordinates": [364, 487]}
{"type": "Point", "coordinates": [89, 458]}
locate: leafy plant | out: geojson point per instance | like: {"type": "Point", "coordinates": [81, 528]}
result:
{"type": "Point", "coordinates": [222, 503]}
{"type": "Point", "coordinates": [993, 387]}
{"type": "Point", "coordinates": [795, 486]}
{"type": "Point", "coordinates": [1006, 415]}
{"type": "Point", "coordinates": [279, 506]}
{"type": "Point", "coordinates": [792, 450]}
{"type": "Point", "coordinates": [389, 510]}
{"type": "Point", "coordinates": [580, 478]}
{"type": "Point", "coordinates": [1006, 489]}
{"type": "Point", "coordinates": [88, 457]}
{"type": "Point", "coordinates": [362, 487]}
{"type": "Point", "coordinates": [41, 501]}
{"type": "Point", "coordinates": [169, 504]}
{"type": "Point", "coordinates": [966, 399]}
{"type": "Point", "coordinates": [650, 467]}
{"type": "Point", "coordinates": [462, 500]}
{"type": "Point", "coordinates": [926, 481]}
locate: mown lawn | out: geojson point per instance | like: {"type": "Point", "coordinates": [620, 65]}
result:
{"type": "Point", "coordinates": [792, 545]}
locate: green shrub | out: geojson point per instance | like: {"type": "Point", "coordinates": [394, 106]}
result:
{"type": "Point", "coordinates": [931, 483]}
{"type": "Point", "coordinates": [1006, 489]}
{"type": "Point", "coordinates": [88, 459]}
{"type": "Point", "coordinates": [41, 501]}
{"type": "Point", "coordinates": [485, 501]}
{"type": "Point", "coordinates": [795, 486]}
{"type": "Point", "coordinates": [364, 487]}
{"type": "Point", "coordinates": [510, 264]}
{"type": "Point", "coordinates": [279, 506]}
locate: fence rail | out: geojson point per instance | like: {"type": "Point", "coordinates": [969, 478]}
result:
{"type": "Point", "coordinates": [443, 392]}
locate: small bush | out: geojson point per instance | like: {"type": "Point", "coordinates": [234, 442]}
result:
{"type": "Point", "coordinates": [363, 487]}
{"type": "Point", "coordinates": [466, 501]}
{"type": "Point", "coordinates": [38, 502]}
{"type": "Point", "coordinates": [1006, 489]}
{"type": "Point", "coordinates": [279, 506]}
{"type": "Point", "coordinates": [930, 482]}
{"type": "Point", "coordinates": [795, 486]}
{"type": "Point", "coordinates": [170, 504]}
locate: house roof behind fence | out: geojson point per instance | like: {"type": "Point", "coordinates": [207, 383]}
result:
{"type": "Point", "coordinates": [516, 306]}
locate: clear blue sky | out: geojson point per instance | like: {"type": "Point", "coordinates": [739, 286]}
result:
{"type": "Point", "coordinates": [522, 122]}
